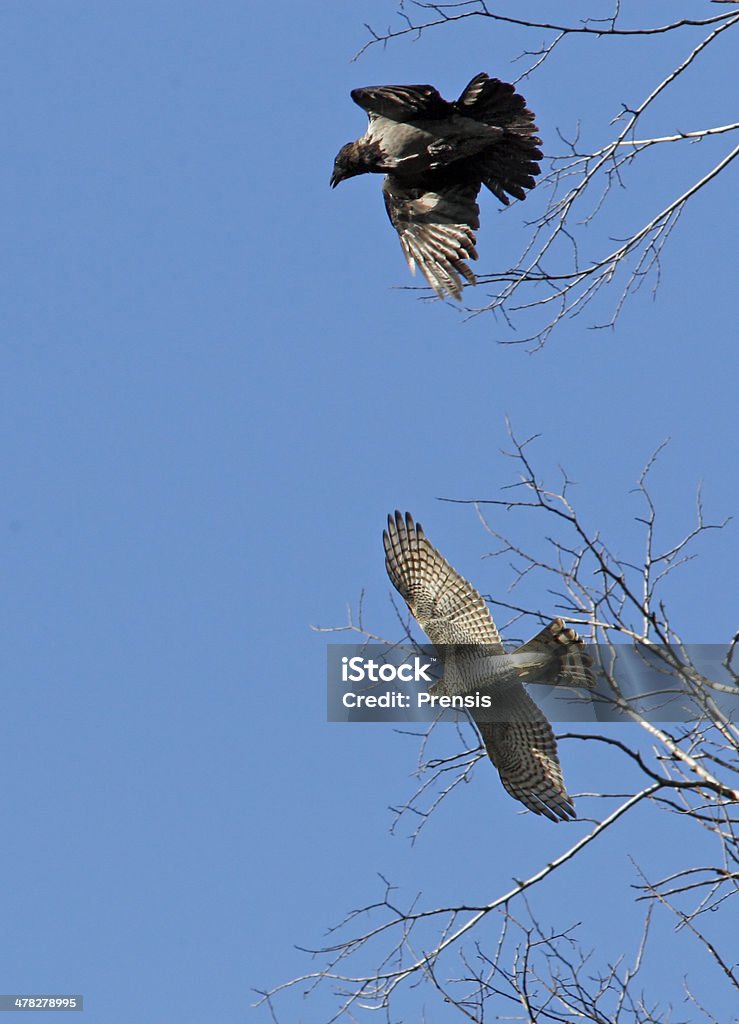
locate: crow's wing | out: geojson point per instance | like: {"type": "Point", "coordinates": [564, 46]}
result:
{"type": "Point", "coordinates": [437, 228]}
{"type": "Point", "coordinates": [402, 102]}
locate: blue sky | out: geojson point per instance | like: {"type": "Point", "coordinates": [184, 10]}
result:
{"type": "Point", "coordinates": [213, 392]}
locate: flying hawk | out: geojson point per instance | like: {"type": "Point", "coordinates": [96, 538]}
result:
{"type": "Point", "coordinates": [455, 618]}
{"type": "Point", "coordinates": [436, 155]}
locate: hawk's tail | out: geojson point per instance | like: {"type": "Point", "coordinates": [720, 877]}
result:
{"type": "Point", "coordinates": [571, 665]}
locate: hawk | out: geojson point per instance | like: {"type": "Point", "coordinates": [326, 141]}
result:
{"type": "Point", "coordinates": [453, 615]}
{"type": "Point", "coordinates": [436, 155]}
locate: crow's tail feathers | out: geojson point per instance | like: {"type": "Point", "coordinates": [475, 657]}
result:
{"type": "Point", "coordinates": [509, 166]}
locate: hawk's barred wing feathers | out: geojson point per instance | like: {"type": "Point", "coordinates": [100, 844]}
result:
{"type": "Point", "coordinates": [524, 751]}
{"type": "Point", "coordinates": [447, 608]}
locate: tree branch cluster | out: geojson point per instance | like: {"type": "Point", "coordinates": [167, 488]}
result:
{"type": "Point", "coordinates": [564, 263]}
{"type": "Point", "coordinates": [483, 958]}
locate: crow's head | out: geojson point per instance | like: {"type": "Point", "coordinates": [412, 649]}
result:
{"type": "Point", "coordinates": [346, 164]}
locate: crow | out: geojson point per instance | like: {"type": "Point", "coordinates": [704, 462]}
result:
{"type": "Point", "coordinates": [435, 155]}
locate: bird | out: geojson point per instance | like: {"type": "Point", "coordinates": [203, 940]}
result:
{"type": "Point", "coordinates": [435, 155]}
{"type": "Point", "coordinates": [517, 736]}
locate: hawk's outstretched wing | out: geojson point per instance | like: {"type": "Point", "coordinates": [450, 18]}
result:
{"type": "Point", "coordinates": [436, 226]}
{"type": "Point", "coordinates": [447, 608]}
{"type": "Point", "coordinates": [524, 751]}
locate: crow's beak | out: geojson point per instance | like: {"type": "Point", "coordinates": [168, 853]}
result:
{"type": "Point", "coordinates": [335, 179]}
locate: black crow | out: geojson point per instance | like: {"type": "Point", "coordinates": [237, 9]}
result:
{"type": "Point", "coordinates": [435, 156]}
